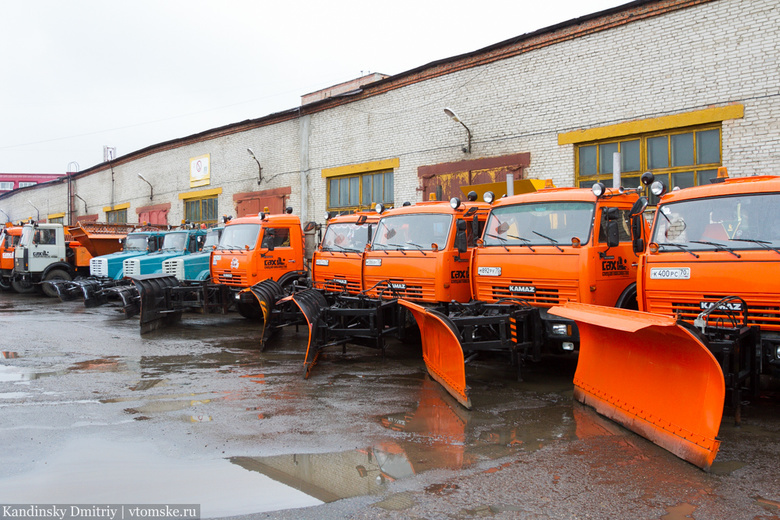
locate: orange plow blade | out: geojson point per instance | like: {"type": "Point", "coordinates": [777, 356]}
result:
{"type": "Point", "coordinates": [442, 352]}
{"type": "Point", "coordinates": [651, 375]}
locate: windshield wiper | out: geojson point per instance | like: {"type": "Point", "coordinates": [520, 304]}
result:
{"type": "Point", "coordinates": [552, 240]}
{"type": "Point", "coordinates": [346, 249]}
{"type": "Point", "coordinates": [502, 239]}
{"type": "Point", "coordinates": [762, 243]}
{"type": "Point", "coordinates": [680, 247]}
{"type": "Point", "coordinates": [398, 247]}
{"type": "Point", "coordinates": [718, 247]}
{"type": "Point", "coordinates": [524, 240]}
{"type": "Point", "coordinates": [418, 247]}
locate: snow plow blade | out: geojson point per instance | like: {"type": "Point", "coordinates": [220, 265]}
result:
{"type": "Point", "coordinates": [151, 302]}
{"type": "Point", "coordinates": [267, 292]}
{"type": "Point", "coordinates": [651, 375]}
{"type": "Point", "coordinates": [312, 305]}
{"type": "Point", "coordinates": [442, 352]}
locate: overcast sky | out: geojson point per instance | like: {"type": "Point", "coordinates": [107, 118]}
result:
{"type": "Point", "coordinates": [76, 75]}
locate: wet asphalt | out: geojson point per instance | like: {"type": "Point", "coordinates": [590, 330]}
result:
{"type": "Point", "coordinates": [91, 412]}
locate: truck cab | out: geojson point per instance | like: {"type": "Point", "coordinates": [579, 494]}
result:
{"type": "Point", "coordinates": [422, 252]}
{"type": "Point", "coordinates": [554, 246]}
{"type": "Point", "coordinates": [137, 243]}
{"type": "Point", "coordinates": [195, 266]}
{"type": "Point", "coordinates": [175, 244]}
{"type": "Point", "coordinates": [257, 248]}
{"type": "Point", "coordinates": [337, 264]}
{"type": "Point", "coordinates": [713, 241]}
{"type": "Point", "coordinates": [43, 254]}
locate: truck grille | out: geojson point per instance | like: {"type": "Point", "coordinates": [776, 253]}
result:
{"type": "Point", "coordinates": [235, 278]}
{"type": "Point", "coordinates": [762, 313]}
{"type": "Point", "coordinates": [174, 267]}
{"type": "Point", "coordinates": [421, 289]}
{"type": "Point", "coordinates": [98, 267]}
{"type": "Point", "coordinates": [132, 266]}
{"type": "Point", "coordinates": [543, 293]}
{"type": "Point", "coordinates": [336, 284]}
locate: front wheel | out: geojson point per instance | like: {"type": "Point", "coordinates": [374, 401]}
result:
{"type": "Point", "coordinates": [22, 287]}
{"type": "Point", "coordinates": [54, 274]}
{"type": "Point", "coordinates": [5, 283]}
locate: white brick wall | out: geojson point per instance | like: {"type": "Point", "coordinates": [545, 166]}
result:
{"type": "Point", "coordinates": [713, 54]}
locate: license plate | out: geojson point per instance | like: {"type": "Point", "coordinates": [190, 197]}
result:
{"type": "Point", "coordinates": [670, 273]}
{"type": "Point", "coordinates": [227, 275]}
{"type": "Point", "coordinates": [489, 271]}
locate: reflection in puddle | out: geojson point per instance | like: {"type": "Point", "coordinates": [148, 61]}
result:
{"type": "Point", "coordinates": [90, 470]}
{"type": "Point", "coordinates": [15, 374]}
{"type": "Point", "coordinates": [438, 434]}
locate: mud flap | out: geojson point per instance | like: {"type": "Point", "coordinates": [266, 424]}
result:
{"type": "Point", "coordinates": [442, 350]}
{"type": "Point", "coordinates": [312, 305]}
{"type": "Point", "coordinates": [152, 301]}
{"type": "Point", "coordinates": [651, 375]}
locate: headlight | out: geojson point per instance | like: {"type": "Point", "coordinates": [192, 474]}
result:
{"type": "Point", "coordinates": [379, 208]}
{"type": "Point", "coordinates": [489, 197]}
{"type": "Point", "coordinates": [374, 261]}
{"type": "Point", "coordinates": [598, 189]}
{"type": "Point", "coordinates": [559, 329]}
{"type": "Point", "coordinates": [777, 352]}
{"type": "Point", "coordinates": [657, 188]}
{"type": "Point", "coordinates": [454, 202]}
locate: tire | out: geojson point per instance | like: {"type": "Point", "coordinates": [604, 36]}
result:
{"type": "Point", "coordinates": [5, 283]}
{"type": "Point", "coordinates": [54, 274]}
{"type": "Point", "coordinates": [22, 287]}
{"type": "Point", "coordinates": [249, 311]}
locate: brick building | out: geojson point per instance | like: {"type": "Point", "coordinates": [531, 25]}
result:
{"type": "Point", "coordinates": [679, 87]}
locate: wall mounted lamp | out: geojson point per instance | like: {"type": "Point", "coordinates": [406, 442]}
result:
{"type": "Point", "coordinates": [454, 117]}
{"type": "Point", "coordinates": [259, 168]}
{"type": "Point", "coordinates": [151, 188]}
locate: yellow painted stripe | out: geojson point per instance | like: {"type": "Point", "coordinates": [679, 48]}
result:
{"type": "Point", "coordinates": [55, 215]}
{"type": "Point", "coordinates": [697, 117]}
{"type": "Point", "coordinates": [200, 194]}
{"type": "Point", "coordinates": [352, 169]}
{"type": "Point", "coordinates": [117, 207]}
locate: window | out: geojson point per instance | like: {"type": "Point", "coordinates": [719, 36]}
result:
{"type": "Point", "coordinates": [56, 220]}
{"type": "Point", "coordinates": [25, 184]}
{"type": "Point", "coordinates": [6, 186]}
{"type": "Point", "coordinates": [201, 211]}
{"type": "Point", "coordinates": [118, 216]}
{"type": "Point", "coordinates": [683, 158]}
{"type": "Point", "coordinates": [358, 192]}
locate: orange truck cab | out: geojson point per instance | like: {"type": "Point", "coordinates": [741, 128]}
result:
{"type": "Point", "coordinates": [421, 253]}
{"type": "Point", "coordinates": [713, 241]}
{"type": "Point", "coordinates": [257, 248]}
{"type": "Point", "coordinates": [552, 246]}
{"type": "Point", "coordinates": [9, 237]}
{"type": "Point", "coordinates": [337, 264]}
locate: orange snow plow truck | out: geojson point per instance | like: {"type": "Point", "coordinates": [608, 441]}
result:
{"type": "Point", "coordinates": [538, 250]}
{"type": "Point", "coordinates": [708, 323]}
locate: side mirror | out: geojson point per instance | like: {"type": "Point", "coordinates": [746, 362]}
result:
{"type": "Point", "coordinates": [637, 229]}
{"type": "Point", "coordinates": [310, 226]}
{"type": "Point", "coordinates": [613, 233]}
{"type": "Point", "coordinates": [639, 207]}
{"type": "Point", "coordinates": [461, 240]}
{"type": "Point", "coordinates": [361, 220]}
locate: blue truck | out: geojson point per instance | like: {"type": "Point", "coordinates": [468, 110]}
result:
{"type": "Point", "coordinates": [194, 267]}
{"type": "Point", "coordinates": [175, 243]}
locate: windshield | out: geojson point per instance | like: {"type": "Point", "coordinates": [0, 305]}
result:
{"type": "Point", "coordinates": [541, 223]}
{"type": "Point", "coordinates": [136, 242]}
{"type": "Point", "coordinates": [416, 232]}
{"type": "Point", "coordinates": [736, 222]}
{"type": "Point", "coordinates": [175, 242]}
{"type": "Point", "coordinates": [345, 237]}
{"type": "Point", "coordinates": [26, 235]}
{"type": "Point", "coordinates": [239, 236]}
{"type": "Point", "coordinates": [212, 239]}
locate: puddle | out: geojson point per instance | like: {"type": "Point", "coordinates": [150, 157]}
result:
{"type": "Point", "coordinates": [679, 512]}
{"type": "Point", "coordinates": [98, 471]}
{"type": "Point", "coordinates": [9, 355]}
{"type": "Point", "coordinates": [10, 374]}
